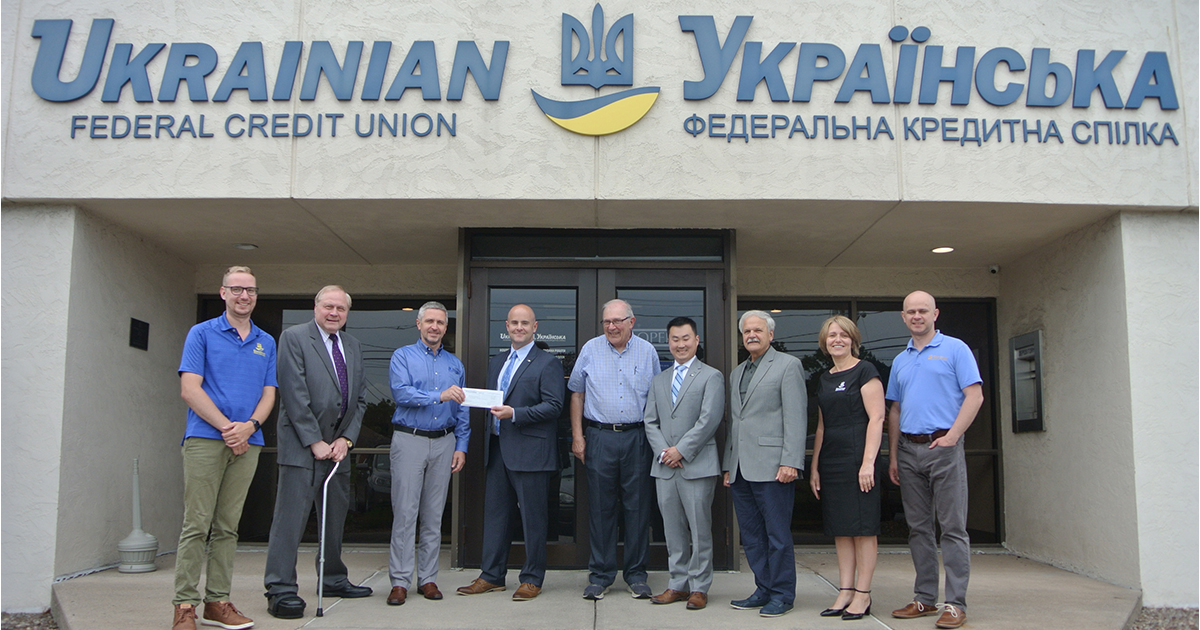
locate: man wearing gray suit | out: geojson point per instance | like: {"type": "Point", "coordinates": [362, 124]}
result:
{"type": "Point", "coordinates": [320, 413]}
{"type": "Point", "coordinates": [763, 455]}
{"type": "Point", "coordinates": [520, 456]}
{"type": "Point", "coordinates": [683, 410]}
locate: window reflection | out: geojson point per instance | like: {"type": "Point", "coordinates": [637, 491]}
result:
{"type": "Point", "coordinates": [655, 308]}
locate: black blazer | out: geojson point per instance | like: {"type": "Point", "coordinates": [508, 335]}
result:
{"type": "Point", "coordinates": [535, 391]}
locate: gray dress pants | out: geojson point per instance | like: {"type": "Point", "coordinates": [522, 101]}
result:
{"type": "Point", "coordinates": [420, 480]}
{"type": "Point", "coordinates": [933, 488]}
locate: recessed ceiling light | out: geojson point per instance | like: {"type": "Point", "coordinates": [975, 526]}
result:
{"type": "Point", "coordinates": [407, 308]}
{"type": "Point", "coordinates": [776, 310]}
{"type": "Point", "coordinates": [942, 250]}
{"type": "Point", "coordinates": [245, 246]}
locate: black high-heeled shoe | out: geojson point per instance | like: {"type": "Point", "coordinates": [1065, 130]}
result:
{"type": "Point", "coordinates": [849, 616]}
{"type": "Point", "coordinates": [834, 612]}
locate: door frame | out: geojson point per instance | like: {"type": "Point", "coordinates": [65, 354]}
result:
{"type": "Point", "coordinates": [597, 280]}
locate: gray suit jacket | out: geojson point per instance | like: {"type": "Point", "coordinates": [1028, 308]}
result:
{"type": "Point", "coordinates": [766, 430]}
{"type": "Point", "coordinates": [690, 425]}
{"type": "Point", "coordinates": [309, 396]}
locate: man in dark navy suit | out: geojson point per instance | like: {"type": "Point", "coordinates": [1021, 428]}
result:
{"type": "Point", "coordinates": [520, 455]}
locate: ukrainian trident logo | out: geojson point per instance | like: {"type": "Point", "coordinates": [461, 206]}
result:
{"type": "Point", "coordinates": [597, 63]}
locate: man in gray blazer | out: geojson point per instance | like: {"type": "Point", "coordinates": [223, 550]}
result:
{"type": "Point", "coordinates": [683, 410]}
{"type": "Point", "coordinates": [520, 455]}
{"type": "Point", "coordinates": [320, 413]}
{"type": "Point", "coordinates": [763, 456]}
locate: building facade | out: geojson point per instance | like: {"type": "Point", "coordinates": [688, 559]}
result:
{"type": "Point", "coordinates": [701, 158]}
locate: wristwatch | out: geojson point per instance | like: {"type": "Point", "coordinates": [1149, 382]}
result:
{"type": "Point", "coordinates": [349, 444]}
{"type": "Point", "coordinates": [257, 425]}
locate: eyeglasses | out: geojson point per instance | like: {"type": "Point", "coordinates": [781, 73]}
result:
{"type": "Point", "coordinates": [614, 322]}
{"type": "Point", "coordinates": [238, 290]}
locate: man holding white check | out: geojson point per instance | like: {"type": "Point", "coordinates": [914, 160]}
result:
{"type": "Point", "coordinates": [520, 456]}
{"type": "Point", "coordinates": [426, 383]}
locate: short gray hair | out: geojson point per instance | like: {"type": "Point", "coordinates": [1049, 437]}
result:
{"type": "Point", "coordinates": [763, 315]}
{"type": "Point", "coordinates": [332, 287]}
{"type": "Point", "coordinates": [432, 305]}
{"type": "Point", "coordinates": [628, 308]}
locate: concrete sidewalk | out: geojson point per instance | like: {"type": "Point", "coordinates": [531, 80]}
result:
{"type": "Point", "coordinates": [1006, 592]}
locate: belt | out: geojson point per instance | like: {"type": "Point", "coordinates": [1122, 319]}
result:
{"type": "Point", "coordinates": [920, 438]}
{"type": "Point", "coordinates": [606, 426]}
{"type": "Point", "coordinates": [436, 433]}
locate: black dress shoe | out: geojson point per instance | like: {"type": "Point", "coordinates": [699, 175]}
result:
{"type": "Point", "coordinates": [835, 612]}
{"type": "Point", "coordinates": [347, 591]}
{"type": "Point", "coordinates": [285, 606]}
{"type": "Point", "coordinates": [849, 616]}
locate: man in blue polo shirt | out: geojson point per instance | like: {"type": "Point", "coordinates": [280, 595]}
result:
{"type": "Point", "coordinates": [227, 378]}
{"type": "Point", "coordinates": [935, 391]}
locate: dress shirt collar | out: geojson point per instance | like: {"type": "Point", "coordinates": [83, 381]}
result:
{"type": "Point", "coordinates": [688, 365]}
{"type": "Point", "coordinates": [520, 353]}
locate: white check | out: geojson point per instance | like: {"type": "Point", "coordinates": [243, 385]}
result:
{"type": "Point", "coordinates": [483, 398]}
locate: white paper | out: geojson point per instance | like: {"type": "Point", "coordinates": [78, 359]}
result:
{"type": "Point", "coordinates": [483, 398]}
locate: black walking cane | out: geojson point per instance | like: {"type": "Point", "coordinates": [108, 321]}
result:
{"type": "Point", "coordinates": [321, 566]}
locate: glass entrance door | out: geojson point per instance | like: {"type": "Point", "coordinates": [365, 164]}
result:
{"type": "Point", "coordinates": [567, 304]}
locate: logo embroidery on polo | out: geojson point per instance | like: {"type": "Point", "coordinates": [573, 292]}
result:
{"type": "Point", "coordinates": [258, 349]}
{"type": "Point", "coordinates": [841, 388]}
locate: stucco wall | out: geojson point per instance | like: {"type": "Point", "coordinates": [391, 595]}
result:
{"type": "Point", "coordinates": [364, 280]}
{"type": "Point", "coordinates": [867, 282]}
{"type": "Point", "coordinates": [1162, 311]}
{"type": "Point", "coordinates": [121, 402]}
{"type": "Point", "coordinates": [36, 296]}
{"type": "Point", "coordinates": [1069, 492]}
{"type": "Point", "coordinates": [490, 157]}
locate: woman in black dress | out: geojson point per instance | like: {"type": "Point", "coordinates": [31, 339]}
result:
{"type": "Point", "coordinates": [849, 431]}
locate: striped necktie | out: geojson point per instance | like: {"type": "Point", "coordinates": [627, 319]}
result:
{"type": "Point", "coordinates": [680, 371]}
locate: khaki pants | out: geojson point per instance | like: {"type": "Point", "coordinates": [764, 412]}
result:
{"type": "Point", "coordinates": [215, 482]}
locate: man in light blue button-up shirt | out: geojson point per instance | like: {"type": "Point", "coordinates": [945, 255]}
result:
{"type": "Point", "coordinates": [426, 383]}
{"type": "Point", "coordinates": [609, 385]}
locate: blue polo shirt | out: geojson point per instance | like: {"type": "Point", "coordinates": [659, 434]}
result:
{"type": "Point", "coordinates": [234, 371]}
{"type": "Point", "coordinates": [928, 383]}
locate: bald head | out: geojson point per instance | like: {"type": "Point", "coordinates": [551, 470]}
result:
{"type": "Point", "coordinates": [521, 325]}
{"type": "Point", "coordinates": [920, 314]}
{"type": "Point", "coordinates": [919, 297]}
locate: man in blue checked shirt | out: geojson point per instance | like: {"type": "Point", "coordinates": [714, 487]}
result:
{"type": "Point", "coordinates": [427, 386]}
{"type": "Point", "coordinates": [609, 386]}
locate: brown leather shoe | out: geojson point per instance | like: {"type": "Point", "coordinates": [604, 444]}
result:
{"type": "Point", "coordinates": [224, 615]}
{"type": "Point", "coordinates": [397, 596]}
{"type": "Point", "coordinates": [913, 610]}
{"type": "Point", "coordinates": [669, 596]}
{"type": "Point", "coordinates": [185, 617]}
{"type": "Point", "coordinates": [430, 591]}
{"type": "Point", "coordinates": [480, 585]}
{"type": "Point", "coordinates": [697, 600]}
{"type": "Point", "coordinates": [952, 617]}
{"type": "Point", "coordinates": [526, 592]}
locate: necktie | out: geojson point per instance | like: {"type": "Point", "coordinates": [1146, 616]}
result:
{"type": "Point", "coordinates": [505, 379]}
{"type": "Point", "coordinates": [508, 370]}
{"type": "Point", "coordinates": [339, 364]}
{"type": "Point", "coordinates": [680, 371]}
